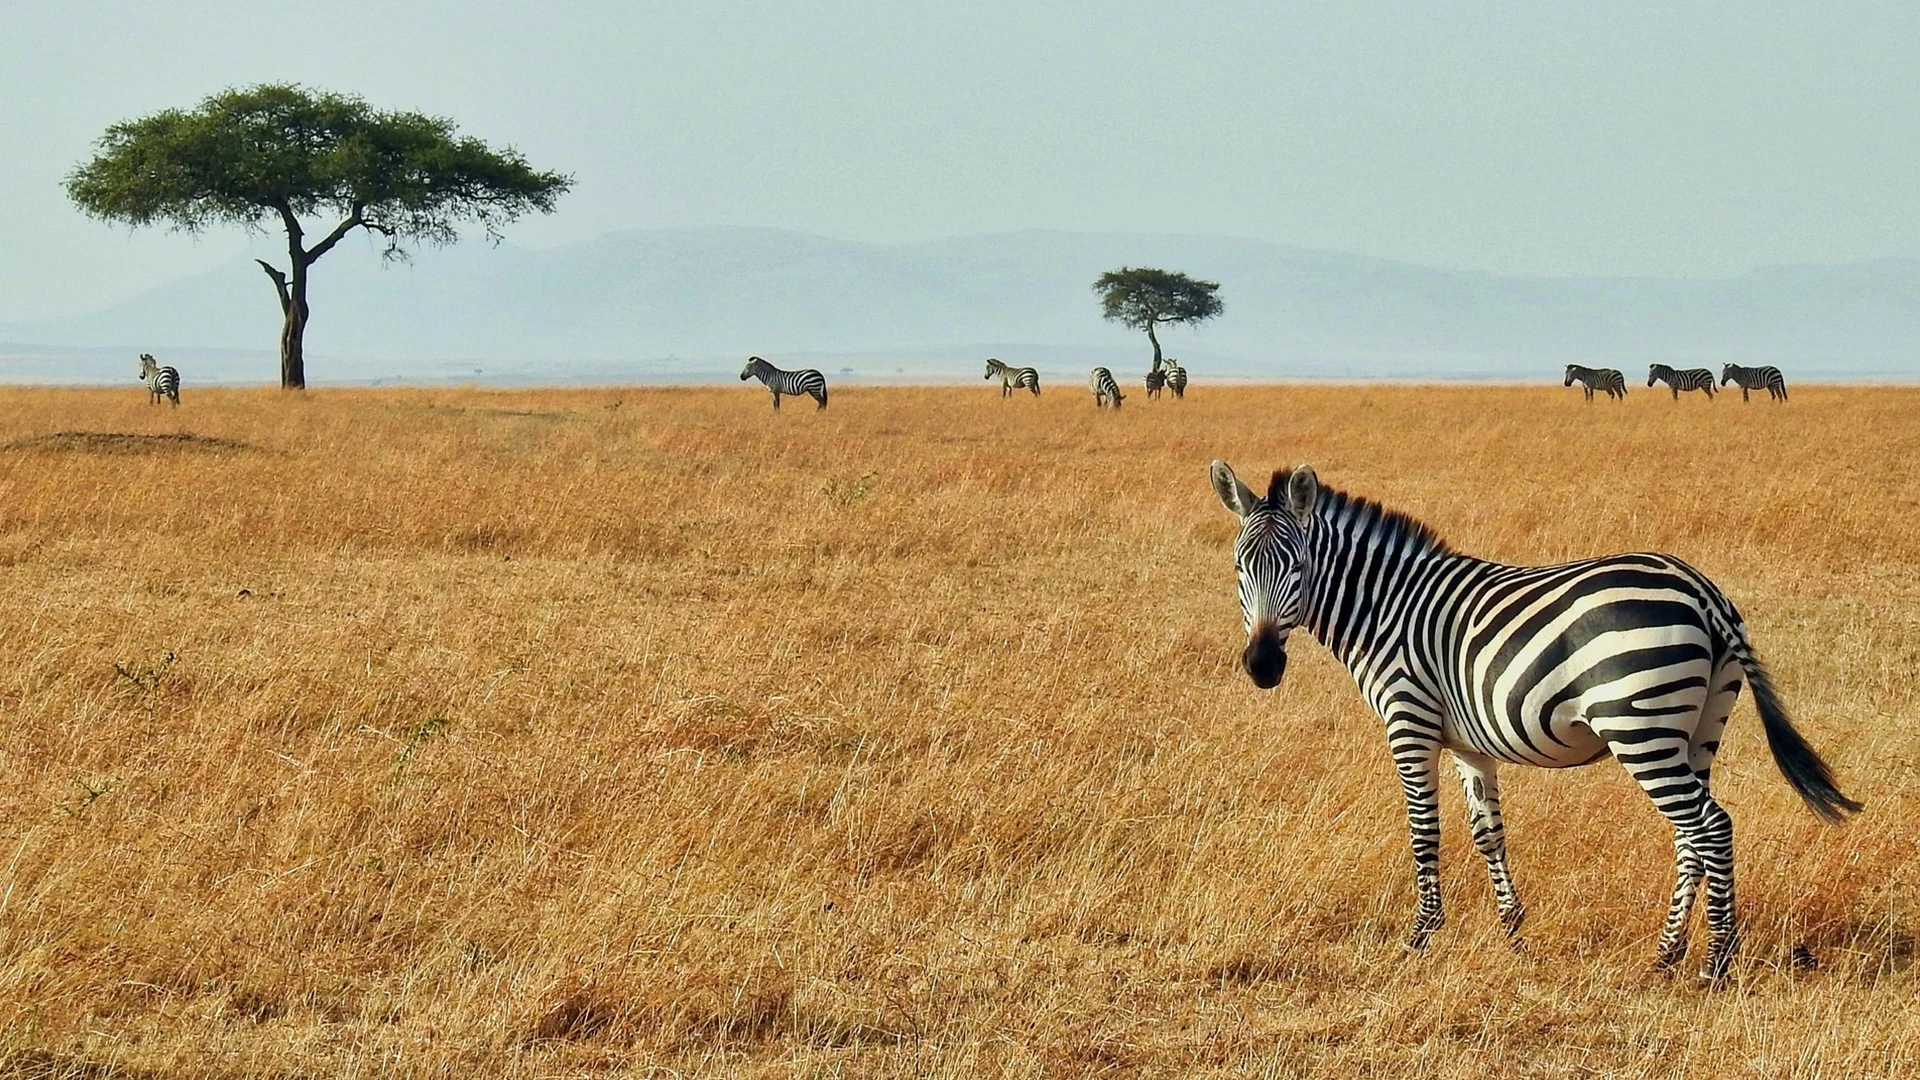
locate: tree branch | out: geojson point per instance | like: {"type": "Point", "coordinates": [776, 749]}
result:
{"type": "Point", "coordinates": [279, 283]}
{"type": "Point", "coordinates": [353, 221]}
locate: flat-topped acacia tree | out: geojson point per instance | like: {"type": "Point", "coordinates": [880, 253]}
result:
{"type": "Point", "coordinates": [1144, 298]}
{"type": "Point", "coordinates": [271, 156]}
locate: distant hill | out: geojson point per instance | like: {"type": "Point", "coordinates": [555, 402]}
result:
{"type": "Point", "coordinates": [691, 304]}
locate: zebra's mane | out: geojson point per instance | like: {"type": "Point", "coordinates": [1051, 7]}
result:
{"type": "Point", "coordinates": [1358, 515]}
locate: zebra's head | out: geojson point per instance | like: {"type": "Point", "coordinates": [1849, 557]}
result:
{"type": "Point", "coordinates": [1270, 558]}
{"type": "Point", "coordinates": [1653, 372]}
{"type": "Point", "coordinates": [992, 363]}
{"type": "Point", "coordinates": [753, 365]}
{"type": "Point", "coordinates": [1569, 381]}
{"type": "Point", "coordinates": [148, 365]}
{"type": "Point", "coordinates": [1726, 374]}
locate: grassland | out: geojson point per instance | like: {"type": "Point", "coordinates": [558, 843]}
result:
{"type": "Point", "coordinates": [456, 733]}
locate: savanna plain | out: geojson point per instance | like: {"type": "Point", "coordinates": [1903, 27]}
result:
{"type": "Point", "coordinates": [632, 731]}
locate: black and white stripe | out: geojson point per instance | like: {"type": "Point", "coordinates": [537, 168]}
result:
{"type": "Point", "coordinates": [1024, 377]}
{"type": "Point", "coordinates": [1590, 379]}
{"type": "Point", "coordinates": [1105, 389]}
{"type": "Point", "coordinates": [1156, 379]}
{"type": "Point", "coordinates": [1176, 378]}
{"type": "Point", "coordinates": [162, 382]}
{"type": "Point", "coordinates": [1636, 655]}
{"type": "Point", "coordinates": [807, 382]}
{"type": "Point", "coordinates": [1755, 378]}
{"type": "Point", "coordinates": [1698, 378]}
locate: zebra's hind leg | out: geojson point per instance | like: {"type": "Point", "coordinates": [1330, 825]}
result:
{"type": "Point", "coordinates": [821, 399]}
{"type": "Point", "coordinates": [1480, 782]}
{"type": "Point", "coordinates": [1703, 839]}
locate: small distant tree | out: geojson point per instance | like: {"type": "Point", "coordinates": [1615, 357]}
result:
{"type": "Point", "coordinates": [269, 156]}
{"type": "Point", "coordinates": [1144, 299]}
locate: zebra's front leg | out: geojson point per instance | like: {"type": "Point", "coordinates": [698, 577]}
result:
{"type": "Point", "coordinates": [776, 401]}
{"type": "Point", "coordinates": [1480, 781]}
{"type": "Point", "coordinates": [1416, 754]}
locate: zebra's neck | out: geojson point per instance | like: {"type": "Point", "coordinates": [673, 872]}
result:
{"type": "Point", "coordinates": [1361, 558]}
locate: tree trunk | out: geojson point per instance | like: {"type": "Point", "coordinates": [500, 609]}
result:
{"type": "Point", "coordinates": [1156, 346]}
{"type": "Point", "coordinates": [293, 331]}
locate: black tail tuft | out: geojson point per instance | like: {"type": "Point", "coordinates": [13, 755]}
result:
{"type": "Point", "coordinates": [1798, 761]}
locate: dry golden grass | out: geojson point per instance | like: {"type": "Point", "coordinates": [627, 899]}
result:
{"type": "Point", "coordinates": [581, 732]}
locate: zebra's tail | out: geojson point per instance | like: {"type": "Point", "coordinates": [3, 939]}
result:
{"type": "Point", "coordinates": [1803, 767]}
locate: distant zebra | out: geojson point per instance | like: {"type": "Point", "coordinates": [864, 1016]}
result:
{"type": "Point", "coordinates": [1176, 378]}
{"type": "Point", "coordinates": [1155, 380]}
{"type": "Point", "coordinates": [1754, 378]}
{"type": "Point", "coordinates": [791, 383]}
{"type": "Point", "coordinates": [1552, 666]}
{"type": "Point", "coordinates": [1698, 378]}
{"type": "Point", "coordinates": [162, 382]}
{"type": "Point", "coordinates": [1591, 379]}
{"type": "Point", "coordinates": [1105, 388]}
{"type": "Point", "coordinates": [1010, 377]}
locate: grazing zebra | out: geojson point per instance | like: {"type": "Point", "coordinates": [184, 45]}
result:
{"type": "Point", "coordinates": [162, 382]}
{"type": "Point", "coordinates": [791, 383]}
{"type": "Point", "coordinates": [1011, 377]}
{"type": "Point", "coordinates": [1591, 379]}
{"type": "Point", "coordinates": [1698, 378]}
{"type": "Point", "coordinates": [1104, 388]}
{"type": "Point", "coordinates": [1754, 378]}
{"type": "Point", "coordinates": [1638, 655]}
{"type": "Point", "coordinates": [1176, 378]}
{"type": "Point", "coordinates": [1155, 380]}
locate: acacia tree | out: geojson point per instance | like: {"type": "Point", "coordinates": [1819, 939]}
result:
{"type": "Point", "coordinates": [270, 156]}
{"type": "Point", "coordinates": [1143, 299]}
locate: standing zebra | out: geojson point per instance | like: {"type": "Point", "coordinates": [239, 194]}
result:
{"type": "Point", "coordinates": [1754, 378]}
{"type": "Point", "coordinates": [1176, 378]}
{"type": "Point", "coordinates": [1011, 377]}
{"type": "Point", "coordinates": [1155, 380]}
{"type": "Point", "coordinates": [161, 381]}
{"type": "Point", "coordinates": [1105, 388]}
{"type": "Point", "coordinates": [1639, 655]}
{"type": "Point", "coordinates": [1698, 378]}
{"type": "Point", "coordinates": [791, 383]}
{"type": "Point", "coordinates": [1591, 379]}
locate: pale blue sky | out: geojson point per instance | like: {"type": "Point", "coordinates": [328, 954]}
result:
{"type": "Point", "coordinates": [1624, 138]}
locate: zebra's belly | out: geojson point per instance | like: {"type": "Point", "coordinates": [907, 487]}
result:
{"type": "Point", "coordinates": [1558, 744]}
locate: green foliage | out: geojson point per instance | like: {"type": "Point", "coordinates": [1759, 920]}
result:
{"type": "Point", "coordinates": [266, 155]}
{"type": "Point", "coordinates": [1144, 298]}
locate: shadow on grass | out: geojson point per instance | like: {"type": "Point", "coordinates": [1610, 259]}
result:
{"type": "Point", "coordinates": [114, 442]}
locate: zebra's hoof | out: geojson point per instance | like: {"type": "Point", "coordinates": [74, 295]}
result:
{"type": "Point", "coordinates": [1511, 918]}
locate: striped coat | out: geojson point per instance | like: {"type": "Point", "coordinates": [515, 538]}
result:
{"type": "Point", "coordinates": [1105, 389]}
{"type": "Point", "coordinates": [1176, 378]}
{"type": "Point", "coordinates": [1025, 378]}
{"type": "Point", "coordinates": [1635, 656]}
{"type": "Point", "coordinates": [1683, 379]}
{"type": "Point", "coordinates": [162, 382]}
{"type": "Point", "coordinates": [1755, 378]}
{"type": "Point", "coordinates": [1590, 379]}
{"type": "Point", "coordinates": [807, 382]}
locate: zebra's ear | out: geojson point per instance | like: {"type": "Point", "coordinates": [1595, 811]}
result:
{"type": "Point", "coordinates": [1234, 495]}
{"type": "Point", "coordinates": [1303, 490]}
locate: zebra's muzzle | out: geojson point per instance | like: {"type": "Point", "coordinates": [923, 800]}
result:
{"type": "Point", "coordinates": [1265, 658]}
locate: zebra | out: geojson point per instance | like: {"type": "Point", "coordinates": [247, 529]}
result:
{"type": "Point", "coordinates": [1155, 380]}
{"type": "Point", "coordinates": [1176, 378]}
{"type": "Point", "coordinates": [791, 383]}
{"type": "Point", "coordinates": [1105, 388]}
{"type": "Point", "coordinates": [162, 382]}
{"type": "Point", "coordinates": [1011, 377]}
{"type": "Point", "coordinates": [1753, 378]}
{"type": "Point", "coordinates": [1591, 379]}
{"type": "Point", "coordinates": [1638, 655]}
{"type": "Point", "coordinates": [1684, 379]}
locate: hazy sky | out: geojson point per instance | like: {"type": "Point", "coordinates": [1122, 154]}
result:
{"type": "Point", "coordinates": [1639, 138]}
